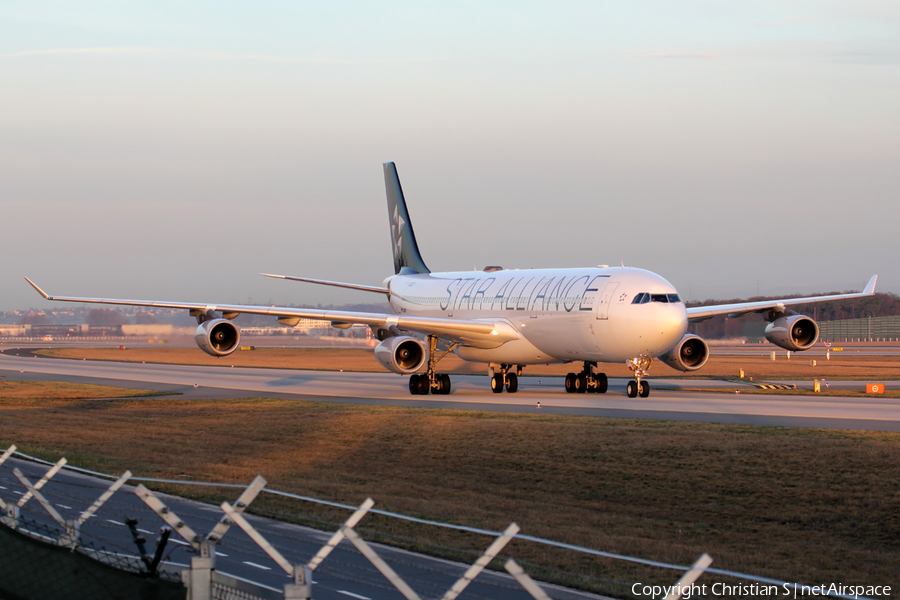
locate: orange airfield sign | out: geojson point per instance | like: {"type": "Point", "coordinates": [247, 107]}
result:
{"type": "Point", "coordinates": [874, 388]}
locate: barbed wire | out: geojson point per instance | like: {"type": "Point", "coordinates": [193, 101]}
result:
{"type": "Point", "coordinates": [797, 587]}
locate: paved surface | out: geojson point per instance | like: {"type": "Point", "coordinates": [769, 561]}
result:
{"type": "Point", "coordinates": [667, 400]}
{"type": "Point", "coordinates": [344, 574]}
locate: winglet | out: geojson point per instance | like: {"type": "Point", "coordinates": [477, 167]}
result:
{"type": "Point", "coordinates": [39, 290]}
{"type": "Point", "coordinates": [870, 287]}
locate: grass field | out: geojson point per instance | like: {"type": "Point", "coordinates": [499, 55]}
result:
{"type": "Point", "coordinates": [38, 392]}
{"type": "Point", "coordinates": [846, 365]}
{"type": "Point", "coordinates": [801, 504]}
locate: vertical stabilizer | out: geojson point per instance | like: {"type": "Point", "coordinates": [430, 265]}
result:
{"type": "Point", "coordinates": [406, 252]}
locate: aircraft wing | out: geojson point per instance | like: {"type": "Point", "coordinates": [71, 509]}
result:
{"type": "Point", "coordinates": [480, 333]}
{"type": "Point", "coordinates": [703, 313]}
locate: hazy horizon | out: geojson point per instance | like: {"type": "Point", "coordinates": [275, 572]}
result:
{"type": "Point", "coordinates": [175, 151]}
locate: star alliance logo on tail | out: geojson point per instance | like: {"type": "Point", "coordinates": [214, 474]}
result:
{"type": "Point", "coordinates": [396, 230]}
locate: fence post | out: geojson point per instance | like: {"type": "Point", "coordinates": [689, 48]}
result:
{"type": "Point", "coordinates": [301, 587]}
{"type": "Point", "coordinates": [43, 481]}
{"type": "Point", "coordinates": [687, 580]}
{"type": "Point", "coordinates": [339, 535]}
{"type": "Point", "coordinates": [202, 567]}
{"type": "Point", "coordinates": [513, 568]}
{"type": "Point", "coordinates": [10, 515]}
{"type": "Point", "coordinates": [379, 564]}
{"type": "Point", "coordinates": [70, 538]}
{"type": "Point", "coordinates": [486, 558]}
{"type": "Point", "coordinates": [199, 579]}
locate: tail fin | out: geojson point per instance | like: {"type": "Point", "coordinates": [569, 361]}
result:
{"type": "Point", "coordinates": [406, 252]}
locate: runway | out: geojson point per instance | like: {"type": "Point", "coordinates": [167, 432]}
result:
{"type": "Point", "coordinates": [345, 573]}
{"type": "Point", "coordinates": [470, 392]}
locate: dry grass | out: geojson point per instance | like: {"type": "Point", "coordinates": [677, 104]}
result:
{"type": "Point", "coordinates": [810, 505]}
{"type": "Point", "coordinates": [38, 392]}
{"type": "Point", "coordinates": [841, 366]}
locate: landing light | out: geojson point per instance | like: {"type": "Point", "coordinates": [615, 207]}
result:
{"type": "Point", "coordinates": [495, 332]}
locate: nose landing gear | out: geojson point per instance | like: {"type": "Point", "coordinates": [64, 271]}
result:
{"type": "Point", "coordinates": [503, 376]}
{"type": "Point", "coordinates": [640, 366]}
{"type": "Point", "coordinates": [587, 381]}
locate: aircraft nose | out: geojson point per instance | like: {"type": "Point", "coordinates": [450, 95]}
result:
{"type": "Point", "coordinates": [673, 325]}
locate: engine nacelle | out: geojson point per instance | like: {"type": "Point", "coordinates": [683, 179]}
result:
{"type": "Point", "coordinates": [401, 354]}
{"type": "Point", "coordinates": [796, 332]}
{"type": "Point", "coordinates": [218, 337]}
{"type": "Point", "coordinates": [689, 354]}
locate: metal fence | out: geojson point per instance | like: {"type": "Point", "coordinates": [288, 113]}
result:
{"type": "Point", "coordinates": [871, 329]}
{"type": "Point", "coordinates": [43, 554]}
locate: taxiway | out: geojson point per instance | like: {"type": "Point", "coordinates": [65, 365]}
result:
{"type": "Point", "coordinates": [668, 399]}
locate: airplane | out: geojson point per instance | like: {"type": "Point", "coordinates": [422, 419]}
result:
{"type": "Point", "coordinates": [510, 318]}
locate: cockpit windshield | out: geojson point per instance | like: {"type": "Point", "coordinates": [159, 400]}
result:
{"type": "Point", "coordinates": [644, 298]}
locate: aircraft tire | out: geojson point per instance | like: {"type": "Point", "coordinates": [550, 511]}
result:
{"type": "Point", "coordinates": [645, 389]}
{"type": "Point", "coordinates": [570, 383]}
{"type": "Point", "coordinates": [602, 383]}
{"type": "Point", "coordinates": [631, 389]}
{"type": "Point", "coordinates": [580, 383]}
{"type": "Point", "coordinates": [445, 384]}
{"type": "Point", "coordinates": [497, 383]}
{"type": "Point", "coordinates": [512, 383]}
{"type": "Point", "coordinates": [414, 384]}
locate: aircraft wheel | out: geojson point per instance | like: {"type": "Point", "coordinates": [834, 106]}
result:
{"type": "Point", "coordinates": [570, 383]}
{"type": "Point", "coordinates": [497, 383]}
{"type": "Point", "coordinates": [414, 384]}
{"type": "Point", "coordinates": [645, 389]}
{"type": "Point", "coordinates": [512, 383]}
{"type": "Point", "coordinates": [632, 389]}
{"type": "Point", "coordinates": [591, 385]}
{"type": "Point", "coordinates": [602, 383]}
{"type": "Point", "coordinates": [580, 383]}
{"type": "Point", "coordinates": [445, 384]}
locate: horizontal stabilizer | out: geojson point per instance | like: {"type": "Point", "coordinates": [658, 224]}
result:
{"type": "Point", "coordinates": [349, 286]}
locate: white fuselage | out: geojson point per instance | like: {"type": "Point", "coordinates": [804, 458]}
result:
{"type": "Point", "coordinates": [562, 314]}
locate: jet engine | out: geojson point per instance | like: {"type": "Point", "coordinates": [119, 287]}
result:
{"type": "Point", "coordinates": [218, 337]}
{"type": "Point", "coordinates": [795, 332]}
{"type": "Point", "coordinates": [401, 354]}
{"type": "Point", "coordinates": [688, 355]}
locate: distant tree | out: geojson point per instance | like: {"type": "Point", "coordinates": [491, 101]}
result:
{"type": "Point", "coordinates": [34, 318]}
{"type": "Point", "coordinates": [145, 318]}
{"type": "Point", "coordinates": [105, 317]}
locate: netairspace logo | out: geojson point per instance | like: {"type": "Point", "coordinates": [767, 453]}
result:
{"type": "Point", "coordinates": [755, 589]}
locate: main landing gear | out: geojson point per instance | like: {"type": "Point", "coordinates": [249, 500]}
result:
{"type": "Point", "coordinates": [431, 381]}
{"type": "Point", "coordinates": [640, 366]}
{"type": "Point", "coordinates": [503, 376]}
{"type": "Point", "coordinates": [587, 381]}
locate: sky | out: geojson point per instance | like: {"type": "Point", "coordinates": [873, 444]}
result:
{"type": "Point", "coordinates": [174, 150]}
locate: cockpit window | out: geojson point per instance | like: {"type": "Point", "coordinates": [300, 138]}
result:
{"type": "Point", "coordinates": [644, 298]}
